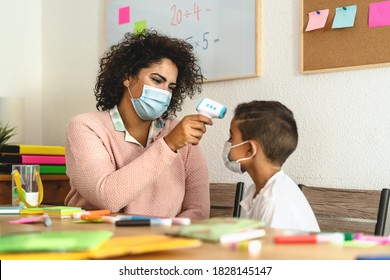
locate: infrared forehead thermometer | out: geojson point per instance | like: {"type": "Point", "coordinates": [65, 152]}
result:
{"type": "Point", "coordinates": [211, 108]}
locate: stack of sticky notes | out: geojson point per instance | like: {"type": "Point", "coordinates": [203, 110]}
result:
{"type": "Point", "coordinates": [61, 212]}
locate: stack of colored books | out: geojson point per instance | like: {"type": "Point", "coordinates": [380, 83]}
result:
{"type": "Point", "coordinates": [50, 158]}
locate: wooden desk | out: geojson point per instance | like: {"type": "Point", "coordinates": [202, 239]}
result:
{"type": "Point", "coordinates": [207, 251]}
{"type": "Point", "coordinates": [55, 188]}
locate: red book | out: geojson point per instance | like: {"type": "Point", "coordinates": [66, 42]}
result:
{"type": "Point", "coordinates": [32, 159]}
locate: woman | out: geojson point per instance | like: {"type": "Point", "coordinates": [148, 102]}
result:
{"type": "Point", "coordinates": [131, 156]}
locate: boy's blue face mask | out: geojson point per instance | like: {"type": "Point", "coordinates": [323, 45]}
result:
{"type": "Point", "coordinates": [234, 166]}
{"type": "Point", "coordinates": [152, 103]}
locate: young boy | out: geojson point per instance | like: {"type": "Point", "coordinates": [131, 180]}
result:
{"type": "Point", "coordinates": [263, 134]}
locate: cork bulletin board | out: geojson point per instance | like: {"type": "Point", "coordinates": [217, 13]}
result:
{"type": "Point", "coordinates": [330, 49]}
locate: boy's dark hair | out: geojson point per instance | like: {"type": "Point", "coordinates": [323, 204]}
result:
{"type": "Point", "coordinates": [140, 50]}
{"type": "Point", "coordinates": [271, 124]}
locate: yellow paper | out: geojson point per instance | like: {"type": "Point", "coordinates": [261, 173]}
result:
{"type": "Point", "coordinates": [130, 245]}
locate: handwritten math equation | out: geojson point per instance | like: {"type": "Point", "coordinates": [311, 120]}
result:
{"type": "Point", "coordinates": [179, 15]}
{"type": "Point", "coordinates": [203, 42]}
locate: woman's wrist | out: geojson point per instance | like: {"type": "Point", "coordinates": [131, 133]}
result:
{"type": "Point", "coordinates": [170, 145]}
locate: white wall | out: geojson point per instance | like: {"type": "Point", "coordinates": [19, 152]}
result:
{"type": "Point", "coordinates": [21, 61]}
{"type": "Point", "coordinates": [343, 117]}
{"type": "Point", "coordinates": [73, 41]}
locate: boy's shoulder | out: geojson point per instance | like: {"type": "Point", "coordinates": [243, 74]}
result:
{"type": "Point", "coordinates": [280, 184]}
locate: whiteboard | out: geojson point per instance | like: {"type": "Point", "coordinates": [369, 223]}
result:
{"type": "Point", "coordinates": [225, 34]}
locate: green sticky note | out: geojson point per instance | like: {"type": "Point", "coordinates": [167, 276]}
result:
{"type": "Point", "coordinates": [139, 26]}
{"type": "Point", "coordinates": [53, 241]}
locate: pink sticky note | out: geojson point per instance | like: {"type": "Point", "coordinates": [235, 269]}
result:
{"type": "Point", "coordinates": [317, 19]}
{"type": "Point", "coordinates": [379, 14]}
{"type": "Point", "coordinates": [124, 15]}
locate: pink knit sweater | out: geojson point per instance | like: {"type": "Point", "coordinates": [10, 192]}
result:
{"type": "Point", "coordinates": [107, 172]}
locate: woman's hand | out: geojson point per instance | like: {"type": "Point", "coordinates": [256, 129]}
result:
{"type": "Point", "coordinates": [188, 131]}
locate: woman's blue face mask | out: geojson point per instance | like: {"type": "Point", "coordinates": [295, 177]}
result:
{"type": "Point", "coordinates": [152, 103]}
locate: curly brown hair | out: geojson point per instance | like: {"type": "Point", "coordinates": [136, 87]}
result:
{"type": "Point", "coordinates": [141, 50]}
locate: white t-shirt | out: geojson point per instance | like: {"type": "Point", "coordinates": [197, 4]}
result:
{"type": "Point", "coordinates": [280, 204]}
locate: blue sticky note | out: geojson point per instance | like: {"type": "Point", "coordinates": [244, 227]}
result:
{"type": "Point", "coordinates": [345, 17]}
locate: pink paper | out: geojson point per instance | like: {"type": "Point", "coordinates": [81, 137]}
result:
{"type": "Point", "coordinates": [28, 220]}
{"type": "Point", "coordinates": [379, 14]}
{"type": "Point", "coordinates": [124, 15]}
{"type": "Point", "coordinates": [317, 19]}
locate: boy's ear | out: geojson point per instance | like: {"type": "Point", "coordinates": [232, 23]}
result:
{"type": "Point", "coordinates": [252, 148]}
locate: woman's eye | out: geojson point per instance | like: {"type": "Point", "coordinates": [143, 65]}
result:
{"type": "Point", "coordinates": [157, 81]}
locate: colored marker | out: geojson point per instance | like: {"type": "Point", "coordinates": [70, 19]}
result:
{"type": "Point", "coordinates": [175, 220]}
{"type": "Point", "coordinates": [373, 257]}
{"type": "Point", "coordinates": [334, 237]}
{"type": "Point", "coordinates": [371, 238]}
{"type": "Point", "coordinates": [181, 221]}
{"type": "Point", "coordinates": [253, 247]}
{"type": "Point", "coordinates": [138, 218]}
{"type": "Point", "coordinates": [145, 222]}
{"type": "Point", "coordinates": [92, 212]}
{"type": "Point", "coordinates": [97, 219]}
{"type": "Point", "coordinates": [91, 217]}
{"type": "Point", "coordinates": [130, 217]}
{"type": "Point", "coordinates": [109, 219]}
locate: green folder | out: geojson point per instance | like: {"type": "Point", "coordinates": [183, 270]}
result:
{"type": "Point", "coordinates": [53, 241]}
{"type": "Point", "coordinates": [214, 229]}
